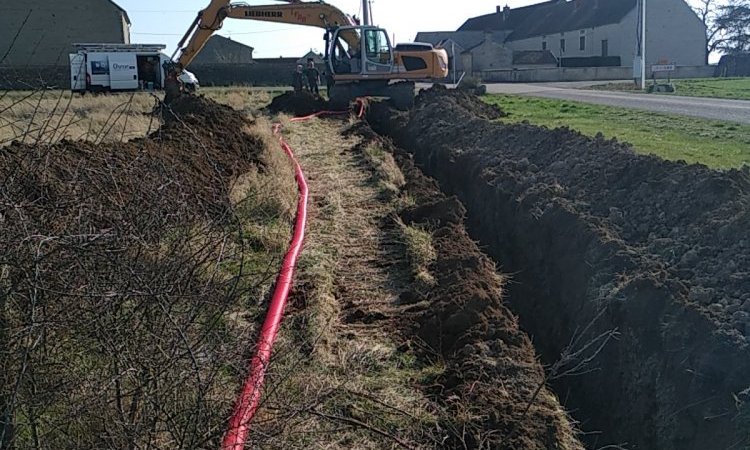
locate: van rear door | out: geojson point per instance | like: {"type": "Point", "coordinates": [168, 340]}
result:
{"type": "Point", "coordinates": [77, 72]}
{"type": "Point", "coordinates": [123, 71]}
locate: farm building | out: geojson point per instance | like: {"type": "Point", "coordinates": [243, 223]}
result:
{"type": "Point", "coordinates": [222, 50]}
{"type": "Point", "coordinates": [42, 32]}
{"type": "Point", "coordinates": [316, 57]}
{"type": "Point", "coordinates": [577, 33]}
{"type": "Point", "coordinates": [736, 65]}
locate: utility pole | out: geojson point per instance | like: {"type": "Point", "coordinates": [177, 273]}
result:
{"type": "Point", "coordinates": [643, 46]}
{"type": "Point", "coordinates": [366, 12]}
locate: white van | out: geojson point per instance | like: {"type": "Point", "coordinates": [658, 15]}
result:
{"type": "Point", "coordinates": [117, 67]}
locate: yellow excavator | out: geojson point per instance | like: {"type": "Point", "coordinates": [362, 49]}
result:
{"type": "Point", "coordinates": [360, 60]}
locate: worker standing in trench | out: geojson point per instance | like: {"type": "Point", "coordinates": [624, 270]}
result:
{"type": "Point", "coordinates": [298, 79]}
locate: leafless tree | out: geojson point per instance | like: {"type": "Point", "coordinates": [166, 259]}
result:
{"type": "Point", "coordinates": [734, 21]}
{"type": "Point", "coordinates": [708, 11]}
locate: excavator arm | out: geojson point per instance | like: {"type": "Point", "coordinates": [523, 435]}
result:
{"type": "Point", "coordinates": [316, 14]}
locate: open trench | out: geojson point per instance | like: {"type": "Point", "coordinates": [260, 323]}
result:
{"type": "Point", "coordinates": [676, 372]}
{"type": "Point", "coordinates": [417, 325]}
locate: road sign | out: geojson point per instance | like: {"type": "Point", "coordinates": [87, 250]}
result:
{"type": "Point", "coordinates": [662, 68]}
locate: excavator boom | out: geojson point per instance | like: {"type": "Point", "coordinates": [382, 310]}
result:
{"type": "Point", "coordinates": [210, 20]}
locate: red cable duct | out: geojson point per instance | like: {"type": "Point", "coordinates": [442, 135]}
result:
{"type": "Point", "coordinates": [247, 403]}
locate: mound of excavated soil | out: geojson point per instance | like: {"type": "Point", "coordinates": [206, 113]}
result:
{"type": "Point", "coordinates": [187, 163]}
{"type": "Point", "coordinates": [601, 238]}
{"type": "Point", "coordinates": [122, 245]}
{"type": "Point", "coordinates": [693, 219]}
{"type": "Point", "coordinates": [301, 103]}
{"type": "Point", "coordinates": [460, 98]}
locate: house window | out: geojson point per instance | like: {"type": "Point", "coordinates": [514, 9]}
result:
{"type": "Point", "coordinates": [562, 45]}
{"type": "Point", "coordinates": [582, 43]}
{"type": "Point", "coordinates": [544, 45]}
{"type": "Point", "coordinates": [605, 47]}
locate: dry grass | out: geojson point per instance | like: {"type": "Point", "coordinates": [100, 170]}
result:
{"type": "Point", "coordinates": [241, 99]}
{"type": "Point", "coordinates": [50, 116]}
{"type": "Point", "coordinates": [385, 169]}
{"type": "Point", "coordinates": [273, 194]}
{"type": "Point", "coordinates": [339, 382]}
{"type": "Point", "coordinates": [417, 241]}
{"type": "Point", "coordinates": [420, 252]}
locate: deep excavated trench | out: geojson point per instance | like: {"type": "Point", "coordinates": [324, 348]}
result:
{"type": "Point", "coordinates": [554, 208]}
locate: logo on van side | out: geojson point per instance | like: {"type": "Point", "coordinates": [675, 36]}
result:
{"type": "Point", "coordinates": [122, 66]}
{"type": "Point", "coordinates": [99, 68]}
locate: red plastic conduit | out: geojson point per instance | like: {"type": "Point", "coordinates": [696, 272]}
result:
{"type": "Point", "coordinates": [250, 396]}
{"type": "Point", "coordinates": [247, 403]}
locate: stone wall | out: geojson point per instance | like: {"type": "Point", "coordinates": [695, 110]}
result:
{"type": "Point", "coordinates": [256, 74]}
{"type": "Point", "coordinates": [58, 76]}
{"type": "Point", "coordinates": [585, 74]}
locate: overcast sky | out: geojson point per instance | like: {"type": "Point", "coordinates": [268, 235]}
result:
{"type": "Point", "coordinates": [154, 22]}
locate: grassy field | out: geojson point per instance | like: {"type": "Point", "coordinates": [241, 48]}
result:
{"type": "Point", "coordinates": [53, 115]}
{"type": "Point", "coordinates": [49, 116]}
{"type": "Point", "coordinates": [732, 88]}
{"type": "Point", "coordinates": [716, 144]}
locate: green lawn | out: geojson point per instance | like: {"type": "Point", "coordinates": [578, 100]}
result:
{"type": "Point", "coordinates": [714, 143]}
{"type": "Point", "coordinates": [734, 88]}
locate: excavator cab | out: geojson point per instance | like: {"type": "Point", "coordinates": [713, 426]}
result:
{"type": "Point", "coordinates": [373, 56]}
{"type": "Point", "coordinates": [362, 62]}
{"type": "Point", "coordinates": [378, 52]}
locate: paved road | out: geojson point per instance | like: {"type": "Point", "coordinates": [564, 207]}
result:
{"type": "Point", "coordinates": [709, 108]}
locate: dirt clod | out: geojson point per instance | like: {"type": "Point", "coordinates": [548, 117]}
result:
{"type": "Point", "coordinates": [438, 213]}
{"type": "Point", "coordinates": [463, 98]}
{"type": "Point", "coordinates": [301, 103]}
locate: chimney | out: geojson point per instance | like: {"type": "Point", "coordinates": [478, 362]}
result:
{"type": "Point", "coordinates": [506, 12]}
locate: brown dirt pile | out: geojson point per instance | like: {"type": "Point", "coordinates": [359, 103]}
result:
{"type": "Point", "coordinates": [601, 238]}
{"type": "Point", "coordinates": [185, 165]}
{"type": "Point", "coordinates": [461, 98]}
{"type": "Point", "coordinates": [113, 284]}
{"type": "Point", "coordinates": [492, 371]}
{"type": "Point", "coordinates": [297, 103]}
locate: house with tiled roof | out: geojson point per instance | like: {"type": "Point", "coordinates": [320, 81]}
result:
{"type": "Point", "coordinates": [579, 33]}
